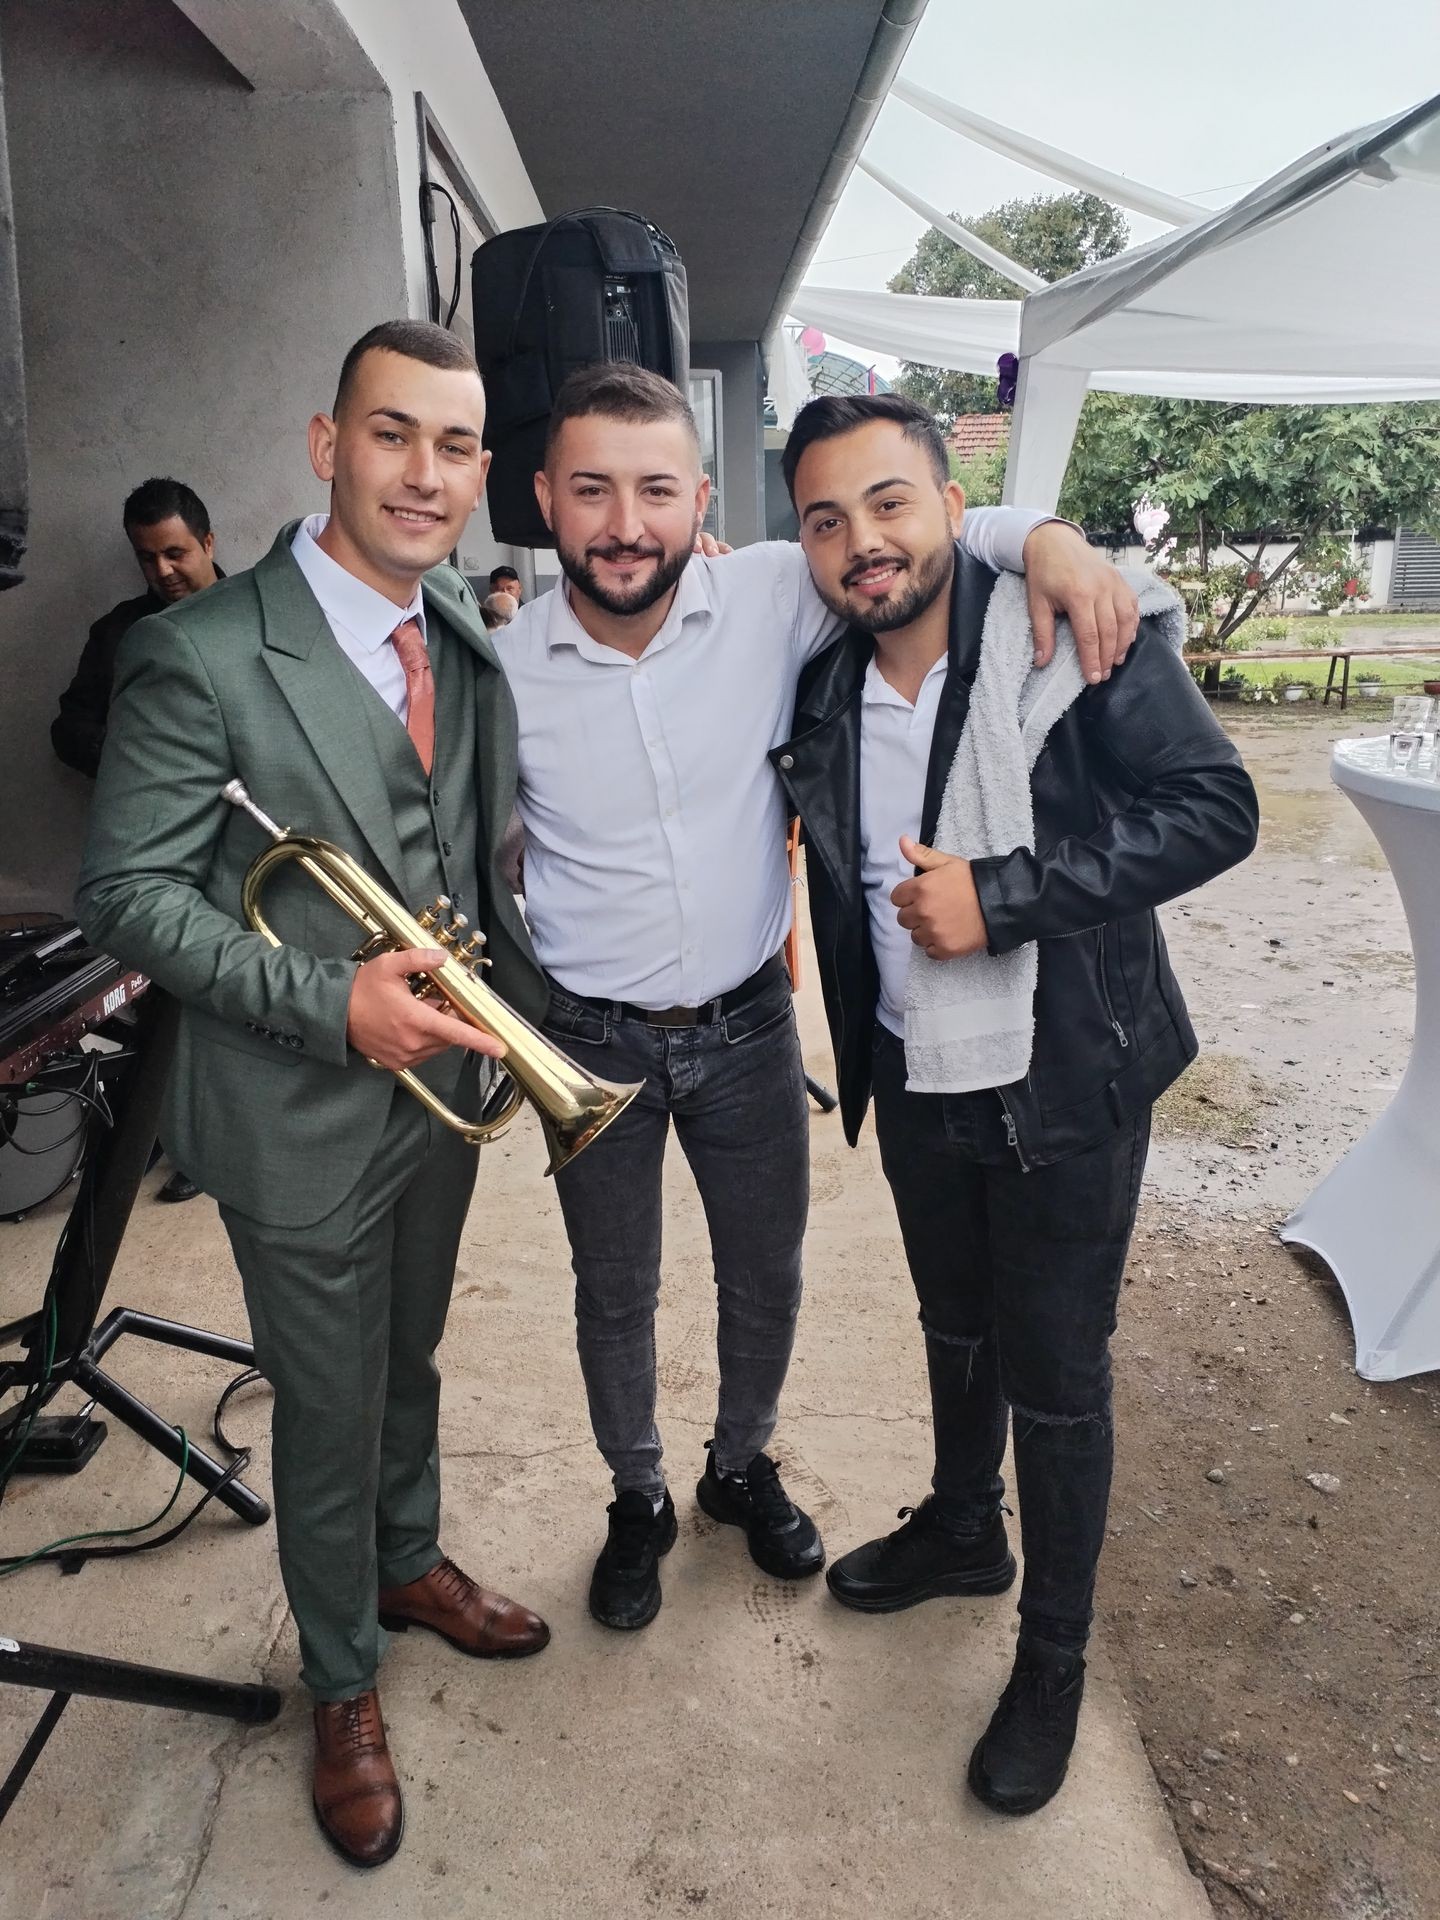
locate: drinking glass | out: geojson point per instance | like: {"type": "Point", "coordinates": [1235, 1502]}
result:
{"type": "Point", "coordinates": [1409, 719]}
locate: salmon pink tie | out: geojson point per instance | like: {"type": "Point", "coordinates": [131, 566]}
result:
{"type": "Point", "coordinates": [409, 643]}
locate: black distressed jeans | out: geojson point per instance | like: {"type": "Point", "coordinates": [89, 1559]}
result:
{"type": "Point", "coordinates": [1018, 1276]}
{"type": "Point", "coordinates": [735, 1091]}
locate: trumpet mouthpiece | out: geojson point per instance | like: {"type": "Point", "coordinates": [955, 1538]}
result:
{"type": "Point", "coordinates": [238, 794]}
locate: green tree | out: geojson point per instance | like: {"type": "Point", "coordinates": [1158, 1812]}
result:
{"type": "Point", "coordinates": [1052, 234]}
{"type": "Point", "coordinates": [1264, 476]}
{"type": "Point", "coordinates": [981, 477]}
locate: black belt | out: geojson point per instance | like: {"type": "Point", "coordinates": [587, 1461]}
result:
{"type": "Point", "coordinates": [703, 1016]}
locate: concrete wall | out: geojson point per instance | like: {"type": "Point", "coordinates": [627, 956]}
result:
{"type": "Point", "coordinates": [1373, 564]}
{"type": "Point", "coordinates": [205, 221]}
{"type": "Point", "coordinates": [743, 431]}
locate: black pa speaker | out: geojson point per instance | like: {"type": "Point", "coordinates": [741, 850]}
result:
{"type": "Point", "coordinates": [598, 284]}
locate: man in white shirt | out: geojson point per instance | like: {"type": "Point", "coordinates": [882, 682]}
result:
{"type": "Point", "coordinates": [649, 689]}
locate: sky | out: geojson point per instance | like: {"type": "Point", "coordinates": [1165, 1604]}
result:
{"type": "Point", "coordinates": [1201, 100]}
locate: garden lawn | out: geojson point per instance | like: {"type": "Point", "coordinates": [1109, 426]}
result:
{"type": "Point", "coordinates": [1406, 675]}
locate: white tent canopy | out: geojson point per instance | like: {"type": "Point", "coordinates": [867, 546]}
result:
{"type": "Point", "coordinates": [1029, 152]}
{"type": "Point", "coordinates": [1321, 286]}
{"type": "Point", "coordinates": [969, 336]}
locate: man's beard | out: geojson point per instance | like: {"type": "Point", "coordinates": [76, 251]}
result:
{"type": "Point", "coordinates": [579, 570]}
{"type": "Point", "coordinates": [917, 587]}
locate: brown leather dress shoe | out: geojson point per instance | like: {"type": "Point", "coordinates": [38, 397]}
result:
{"type": "Point", "coordinates": [449, 1603]}
{"type": "Point", "coordinates": [357, 1797]}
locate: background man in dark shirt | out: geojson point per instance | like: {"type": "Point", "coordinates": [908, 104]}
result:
{"type": "Point", "coordinates": [169, 530]}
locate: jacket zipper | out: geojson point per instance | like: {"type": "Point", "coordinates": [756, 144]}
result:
{"type": "Point", "coordinates": [1012, 1136]}
{"type": "Point", "coordinates": [1120, 1033]}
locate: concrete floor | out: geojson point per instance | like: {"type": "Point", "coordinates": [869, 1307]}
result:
{"type": "Point", "coordinates": [757, 1751]}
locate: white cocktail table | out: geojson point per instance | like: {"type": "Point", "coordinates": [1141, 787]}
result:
{"type": "Point", "coordinates": [1375, 1220]}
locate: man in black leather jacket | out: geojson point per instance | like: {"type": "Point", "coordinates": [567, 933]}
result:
{"type": "Point", "coordinates": [1016, 1202]}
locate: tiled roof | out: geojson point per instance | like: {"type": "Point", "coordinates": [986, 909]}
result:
{"type": "Point", "coordinates": [978, 433]}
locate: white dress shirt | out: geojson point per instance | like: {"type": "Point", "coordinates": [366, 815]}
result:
{"type": "Point", "coordinates": [655, 868]}
{"type": "Point", "coordinates": [894, 760]}
{"type": "Point", "coordinates": [361, 619]}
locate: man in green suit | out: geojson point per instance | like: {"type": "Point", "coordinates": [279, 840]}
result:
{"type": "Point", "coordinates": [348, 681]}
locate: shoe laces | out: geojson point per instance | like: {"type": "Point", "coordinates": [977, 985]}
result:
{"type": "Point", "coordinates": [453, 1583]}
{"type": "Point", "coordinates": [1051, 1694]}
{"type": "Point", "coordinates": [769, 1499]}
{"type": "Point", "coordinates": [632, 1533]}
{"type": "Point", "coordinates": [360, 1726]}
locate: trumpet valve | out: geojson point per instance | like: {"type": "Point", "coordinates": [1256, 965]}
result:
{"type": "Point", "coordinates": [430, 918]}
{"type": "Point", "coordinates": [469, 953]}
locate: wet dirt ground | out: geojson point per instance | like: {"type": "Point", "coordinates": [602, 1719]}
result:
{"type": "Point", "coordinates": [1279, 1642]}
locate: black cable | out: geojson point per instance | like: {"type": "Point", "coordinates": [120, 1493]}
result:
{"type": "Point", "coordinates": [94, 1099]}
{"type": "Point", "coordinates": [71, 1557]}
{"type": "Point", "coordinates": [427, 236]}
{"type": "Point", "coordinates": [247, 1379]}
{"type": "Point", "coordinates": [435, 187]}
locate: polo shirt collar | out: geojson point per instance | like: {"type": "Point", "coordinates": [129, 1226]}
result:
{"type": "Point", "coordinates": [365, 614]}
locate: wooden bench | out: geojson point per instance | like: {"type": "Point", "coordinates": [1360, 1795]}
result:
{"type": "Point", "coordinates": [1332, 654]}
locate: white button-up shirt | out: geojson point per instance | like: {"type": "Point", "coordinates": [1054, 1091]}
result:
{"type": "Point", "coordinates": [894, 760]}
{"type": "Point", "coordinates": [361, 619]}
{"type": "Point", "coordinates": [655, 868]}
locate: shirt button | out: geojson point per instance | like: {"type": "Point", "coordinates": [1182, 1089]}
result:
{"type": "Point", "coordinates": [787, 761]}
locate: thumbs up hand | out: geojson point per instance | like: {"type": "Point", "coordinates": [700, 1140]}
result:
{"type": "Point", "coordinates": [940, 907]}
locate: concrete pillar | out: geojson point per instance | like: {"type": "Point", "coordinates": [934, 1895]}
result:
{"type": "Point", "coordinates": [743, 433]}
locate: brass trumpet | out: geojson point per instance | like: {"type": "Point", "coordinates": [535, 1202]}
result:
{"type": "Point", "coordinates": [574, 1106]}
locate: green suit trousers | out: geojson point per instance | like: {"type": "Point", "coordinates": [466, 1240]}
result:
{"type": "Point", "coordinates": [346, 1316]}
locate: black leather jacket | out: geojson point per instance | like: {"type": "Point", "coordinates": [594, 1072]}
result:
{"type": "Point", "coordinates": [1139, 796]}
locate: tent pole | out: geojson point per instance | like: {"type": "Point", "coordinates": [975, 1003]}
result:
{"type": "Point", "coordinates": [1048, 400]}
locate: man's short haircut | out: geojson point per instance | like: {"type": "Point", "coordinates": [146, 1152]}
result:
{"type": "Point", "coordinates": [160, 499]}
{"type": "Point", "coordinates": [834, 414]}
{"type": "Point", "coordinates": [618, 390]}
{"type": "Point", "coordinates": [497, 574]}
{"type": "Point", "coordinates": [414, 339]}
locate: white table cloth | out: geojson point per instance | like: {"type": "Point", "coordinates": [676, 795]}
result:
{"type": "Point", "coordinates": [1375, 1220]}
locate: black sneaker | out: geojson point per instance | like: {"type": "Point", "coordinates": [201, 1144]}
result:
{"type": "Point", "coordinates": [625, 1586]}
{"type": "Point", "coordinates": [1020, 1761]}
{"type": "Point", "coordinates": [179, 1187]}
{"type": "Point", "coordinates": [783, 1541]}
{"type": "Point", "coordinates": [921, 1561]}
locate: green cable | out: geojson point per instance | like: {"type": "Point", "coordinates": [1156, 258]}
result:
{"type": "Point", "coordinates": [110, 1533]}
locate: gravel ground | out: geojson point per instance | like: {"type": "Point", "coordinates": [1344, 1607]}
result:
{"type": "Point", "coordinates": [1277, 1633]}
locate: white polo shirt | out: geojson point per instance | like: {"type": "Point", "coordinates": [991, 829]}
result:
{"type": "Point", "coordinates": [655, 867]}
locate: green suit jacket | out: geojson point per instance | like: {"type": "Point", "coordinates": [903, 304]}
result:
{"type": "Point", "coordinates": [268, 1108]}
